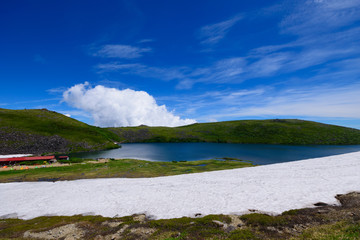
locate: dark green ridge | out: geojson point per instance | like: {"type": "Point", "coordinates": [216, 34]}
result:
{"type": "Point", "coordinates": [275, 131]}
{"type": "Point", "coordinates": [43, 131]}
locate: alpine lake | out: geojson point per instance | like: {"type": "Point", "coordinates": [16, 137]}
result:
{"type": "Point", "coordinates": [260, 154]}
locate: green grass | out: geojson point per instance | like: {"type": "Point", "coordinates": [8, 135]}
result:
{"type": "Point", "coordinates": [119, 168]}
{"type": "Point", "coordinates": [14, 228]}
{"type": "Point", "coordinates": [179, 228]}
{"type": "Point", "coordinates": [42, 131]}
{"type": "Point", "coordinates": [172, 229]}
{"type": "Point", "coordinates": [20, 125]}
{"type": "Point", "coordinates": [285, 131]}
{"type": "Point", "coordinates": [337, 231]}
{"type": "Point", "coordinates": [257, 219]}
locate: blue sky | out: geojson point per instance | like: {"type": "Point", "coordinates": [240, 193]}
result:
{"type": "Point", "coordinates": [120, 63]}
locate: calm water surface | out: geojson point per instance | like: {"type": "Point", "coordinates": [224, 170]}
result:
{"type": "Point", "coordinates": [257, 153]}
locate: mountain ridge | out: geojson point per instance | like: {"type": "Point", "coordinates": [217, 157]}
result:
{"type": "Point", "coordinates": [39, 131]}
{"type": "Point", "coordinates": [271, 131]}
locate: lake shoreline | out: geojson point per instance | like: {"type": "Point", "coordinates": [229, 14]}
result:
{"type": "Point", "coordinates": [261, 154]}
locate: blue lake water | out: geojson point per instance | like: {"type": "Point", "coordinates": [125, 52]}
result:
{"type": "Point", "coordinates": [257, 153]}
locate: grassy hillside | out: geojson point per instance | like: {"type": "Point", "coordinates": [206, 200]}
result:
{"type": "Point", "coordinates": [276, 131]}
{"type": "Point", "coordinates": [41, 130]}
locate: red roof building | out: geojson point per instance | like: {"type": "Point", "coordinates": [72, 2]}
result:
{"type": "Point", "coordinates": [23, 159]}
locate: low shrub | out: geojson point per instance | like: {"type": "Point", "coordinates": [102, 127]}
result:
{"type": "Point", "coordinates": [257, 219]}
{"type": "Point", "coordinates": [39, 162]}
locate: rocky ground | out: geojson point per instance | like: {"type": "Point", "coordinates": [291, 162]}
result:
{"type": "Point", "coordinates": [12, 141]}
{"type": "Point", "coordinates": [321, 222]}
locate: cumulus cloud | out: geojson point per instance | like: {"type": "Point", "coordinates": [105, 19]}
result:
{"type": "Point", "coordinates": [111, 107]}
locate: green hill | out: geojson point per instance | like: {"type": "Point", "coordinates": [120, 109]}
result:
{"type": "Point", "coordinates": [40, 130]}
{"type": "Point", "coordinates": [43, 131]}
{"type": "Point", "coordinates": [276, 131]}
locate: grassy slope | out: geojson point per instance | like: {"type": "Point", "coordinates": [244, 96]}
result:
{"type": "Point", "coordinates": [39, 130]}
{"type": "Point", "coordinates": [322, 223]}
{"type": "Point", "coordinates": [119, 168]}
{"type": "Point", "coordinates": [77, 136]}
{"type": "Point", "coordinates": [289, 131]}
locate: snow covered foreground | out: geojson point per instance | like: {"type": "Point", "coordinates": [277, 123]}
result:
{"type": "Point", "coordinates": [271, 188]}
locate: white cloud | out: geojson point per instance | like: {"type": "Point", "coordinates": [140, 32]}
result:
{"type": "Point", "coordinates": [322, 101]}
{"type": "Point", "coordinates": [225, 70]}
{"type": "Point", "coordinates": [111, 107]}
{"type": "Point", "coordinates": [185, 84]}
{"type": "Point", "coordinates": [212, 34]}
{"type": "Point", "coordinates": [56, 90]}
{"type": "Point", "coordinates": [146, 40]}
{"type": "Point", "coordinates": [144, 70]}
{"type": "Point", "coordinates": [121, 51]}
{"type": "Point", "coordinates": [314, 17]}
{"type": "Point", "coordinates": [286, 100]}
{"type": "Point", "coordinates": [323, 32]}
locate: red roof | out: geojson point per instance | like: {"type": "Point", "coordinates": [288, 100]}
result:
{"type": "Point", "coordinates": [18, 159]}
{"type": "Point", "coordinates": [61, 157]}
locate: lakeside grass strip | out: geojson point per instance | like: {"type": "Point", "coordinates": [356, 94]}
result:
{"type": "Point", "coordinates": [121, 168]}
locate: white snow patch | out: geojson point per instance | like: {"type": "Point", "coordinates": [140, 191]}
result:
{"type": "Point", "coordinates": [271, 188]}
{"type": "Point", "coordinates": [15, 155]}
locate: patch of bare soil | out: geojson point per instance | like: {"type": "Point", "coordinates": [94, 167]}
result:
{"type": "Point", "coordinates": [26, 167]}
{"type": "Point", "coordinates": [66, 232]}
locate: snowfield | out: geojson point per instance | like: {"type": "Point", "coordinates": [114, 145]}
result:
{"type": "Point", "coordinates": [271, 188]}
{"type": "Point", "coordinates": [15, 155]}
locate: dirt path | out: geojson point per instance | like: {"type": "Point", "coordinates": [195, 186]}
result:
{"type": "Point", "coordinates": [57, 164]}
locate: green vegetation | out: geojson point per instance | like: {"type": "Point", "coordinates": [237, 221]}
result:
{"type": "Point", "coordinates": [276, 131]}
{"type": "Point", "coordinates": [15, 228]}
{"type": "Point", "coordinates": [73, 160]}
{"type": "Point", "coordinates": [118, 168]}
{"type": "Point", "coordinates": [40, 130]}
{"type": "Point", "coordinates": [311, 225]}
{"type": "Point", "coordinates": [257, 219]}
{"type": "Point", "coordinates": [338, 231]}
{"type": "Point", "coordinates": [29, 163]}
{"type": "Point", "coordinates": [130, 227]}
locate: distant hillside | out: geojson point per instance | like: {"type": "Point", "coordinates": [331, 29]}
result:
{"type": "Point", "coordinates": [276, 131]}
{"type": "Point", "coordinates": [41, 131]}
